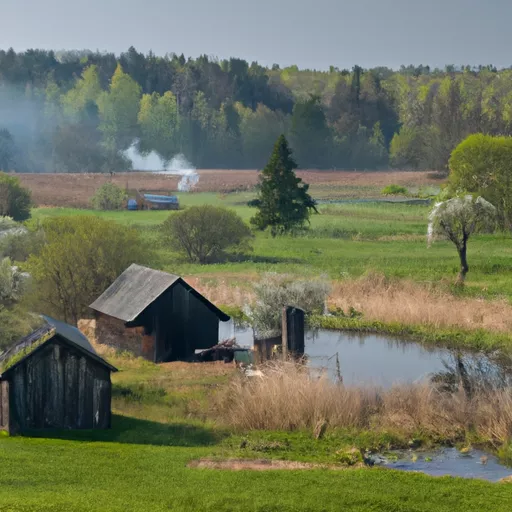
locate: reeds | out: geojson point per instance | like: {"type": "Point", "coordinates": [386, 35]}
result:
{"type": "Point", "coordinates": [405, 302]}
{"type": "Point", "coordinates": [390, 301]}
{"type": "Point", "coordinates": [287, 397]}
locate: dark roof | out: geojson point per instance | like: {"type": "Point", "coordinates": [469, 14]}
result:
{"type": "Point", "coordinates": [50, 330]}
{"type": "Point", "coordinates": [136, 288]}
{"type": "Point", "coordinates": [70, 333]}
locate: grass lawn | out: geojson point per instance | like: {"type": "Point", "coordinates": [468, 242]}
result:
{"type": "Point", "coordinates": [58, 475]}
{"type": "Point", "coordinates": [141, 463]}
{"type": "Point", "coordinates": [345, 240]}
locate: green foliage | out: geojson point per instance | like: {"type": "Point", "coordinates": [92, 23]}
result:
{"type": "Point", "coordinates": [341, 242]}
{"type": "Point", "coordinates": [12, 283]}
{"type": "Point", "coordinates": [204, 233]}
{"type": "Point", "coordinates": [18, 356]}
{"type": "Point", "coordinates": [16, 322]}
{"type": "Point", "coordinates": [108, 197]}
{"type": "Point", "coordinates": [482, 164]}
{"type": "Point", "coordinates": [283, 201]}
{"type": "Point", "coordinates": [21, 241]}
{"type": "Point", "coordinates": [406, 149]}
{"type": "Point", "coordinates": [158, 120]}
{"type": "Point", "coordinates": [7, 150]}
{"type": "Point", "coordinates": [15, 200]}
{"type": "Point", "coordinates": [394, 190]}
{"type": "Point", "coordinates": [310, 133]}
{"type": "Point", "coordinates": [119, 108]}
{"type": "Point", "coordinates": [274, 292]}
{"type": "Point", "coordinates": [86, 91]}
{"type": "Point", "coordinates": [81, 258]}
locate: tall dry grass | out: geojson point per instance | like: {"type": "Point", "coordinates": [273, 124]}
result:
{"type": "Point", "coordinates": [390, 300]}
{"type": "Point", "coordinates": [287, 397]}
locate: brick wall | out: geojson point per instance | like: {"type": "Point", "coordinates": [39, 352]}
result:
{"type": "Point", "coordinates": [112, 332]}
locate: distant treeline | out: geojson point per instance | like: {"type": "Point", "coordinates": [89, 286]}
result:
{"type": "Point", "coordinates": [78, 111]}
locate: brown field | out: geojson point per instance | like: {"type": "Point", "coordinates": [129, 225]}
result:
{"type": "Point", "coordinates": [75, 190]}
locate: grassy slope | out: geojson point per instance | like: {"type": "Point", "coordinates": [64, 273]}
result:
{"type": "Point", "coordinates": [72, 476]}
{"type": "Point", "coordinates": [344, 241]}
{"type": "Point", "coordinates": [141, 464]}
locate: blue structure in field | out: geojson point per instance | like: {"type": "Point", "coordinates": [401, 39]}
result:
{"type": "Point", "coordinates": [161, 200]}
{"type": "Point", "coordinates": [153, 202]}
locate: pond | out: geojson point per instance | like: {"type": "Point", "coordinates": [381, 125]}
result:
{"type": "Point", "coordinates": [447, 461]}
{"type": "Point", "coordinates": [379, 360]}
{"type": "Point", "coordinates": [383, 361]}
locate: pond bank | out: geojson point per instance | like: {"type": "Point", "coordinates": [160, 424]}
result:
{"type": "Point", "coordinates": [451, 338]}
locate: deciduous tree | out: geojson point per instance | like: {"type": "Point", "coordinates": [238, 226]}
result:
{"type": "Point", "coordinates": [82, 256]}
{"type": "Point", "coordinates": [457, 219]}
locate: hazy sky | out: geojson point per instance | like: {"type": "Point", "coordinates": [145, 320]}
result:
{"type": "Point", "coordinates": [312, 33]}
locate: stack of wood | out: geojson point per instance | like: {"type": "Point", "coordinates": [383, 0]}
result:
{"type": "Point", "coordinates": [223, 351]}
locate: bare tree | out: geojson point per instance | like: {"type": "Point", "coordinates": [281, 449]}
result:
{"type": "Point", "coordinates": [457, 219]}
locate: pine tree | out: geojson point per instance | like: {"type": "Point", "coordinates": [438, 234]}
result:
{"type": "Point", "coordinates": [283, 202]}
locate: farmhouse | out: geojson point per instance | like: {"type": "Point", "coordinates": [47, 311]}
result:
{"type": "Point", "coordinates": [155, 315]}
{"type": "Point", "coordinates": [54, 378]}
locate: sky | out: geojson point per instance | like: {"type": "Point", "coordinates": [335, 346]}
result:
{"type": "Point", "coordinates": [312, 34]}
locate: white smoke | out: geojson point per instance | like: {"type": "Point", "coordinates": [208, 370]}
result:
{"type": "Point", "coordinates": [153, 162]}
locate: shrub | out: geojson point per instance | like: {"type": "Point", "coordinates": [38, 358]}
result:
{"type": "Point", "coordinates": [12, 283]}
{"type": "Point", "coordinates": [204, 233]}
{"type": "Point", "coordinates": [82, 256]}
{"type": "Point", "coordinates": [16, 322]}
{"type": "Point", "coordinates": [394, 190]}
{"type": "Point", "coordinates": [274, 292]}
{"type": "Point", "coordinates": [108, 197]}
{"type": "Point", "coordinates": [18, 241]}
{"type": "Point", "coordinates": [482, 164]}
{"type": "Point", "coordinates": [15, 200]}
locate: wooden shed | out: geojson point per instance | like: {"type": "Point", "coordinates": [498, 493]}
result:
{"type": "Point", "coordinates": [156, 315]}
{"type": "Point", "coordinates": [54, 378]}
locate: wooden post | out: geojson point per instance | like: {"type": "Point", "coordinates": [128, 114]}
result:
{"type": "Point", "coordinates": [4, 405]}
{"type": "Point", "coordinates": [293, 331]}
{"type": "Point", "coordinates": [284, 334]}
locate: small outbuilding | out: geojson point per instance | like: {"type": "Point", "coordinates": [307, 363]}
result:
{"type": "Point", "coordinates": [156, 315]}
{"type": "Point", "coordinates": [148, 201]}
{"type": "Point", "coordinates": [54, 378]}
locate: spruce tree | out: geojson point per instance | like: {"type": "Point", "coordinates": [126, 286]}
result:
{"type": "Point", "coordinates": [283, 201]}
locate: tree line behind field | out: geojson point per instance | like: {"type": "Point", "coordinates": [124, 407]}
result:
{"type": "Point", "coordinates": [78, 111]}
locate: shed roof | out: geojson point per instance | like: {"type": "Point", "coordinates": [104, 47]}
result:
{"type": "Point", "coordinates": [136, 288]}
{"type": "Point", "coordinates": [52, 329]}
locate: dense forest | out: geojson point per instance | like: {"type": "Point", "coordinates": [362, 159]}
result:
{"type": "Point", "coordinates": [78, 111]}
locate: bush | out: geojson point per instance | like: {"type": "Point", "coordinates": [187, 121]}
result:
{"type": "Point", "coordinates": [394, 190]}
{"type": "Point", "coordinates": [482, 164]}
{"type": "Point", "coordinates": [274, 292]}
{"type": "Point", "coordinates": [108, 197]}
{"type": "Point", "coordinates": [82, 256]}
{"type": "Point", "coordinates": [18, 241]}
{"type": "Point", "coordinates": [204, 233]}
{"type": "Point", "coordinates": [16, 323]}
{"type": "Point", "coordinates": [15, 200]}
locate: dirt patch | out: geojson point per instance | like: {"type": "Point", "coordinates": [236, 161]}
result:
{"type": "Point", "coordinates": [76, 190]}
{"type": "Point", "coordinates": [256, 464]}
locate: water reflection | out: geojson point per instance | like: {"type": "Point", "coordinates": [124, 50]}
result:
{"type": "Point", "coordinates": [374, 359]}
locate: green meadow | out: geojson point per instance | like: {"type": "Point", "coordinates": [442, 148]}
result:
{"type": "Point", "coordinates": [344, 241]}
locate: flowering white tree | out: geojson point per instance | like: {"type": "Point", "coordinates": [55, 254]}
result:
{"type": "Point", "coordinates": [457, 219]}
{"type": "Point", "coordinates": [12, 283]}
